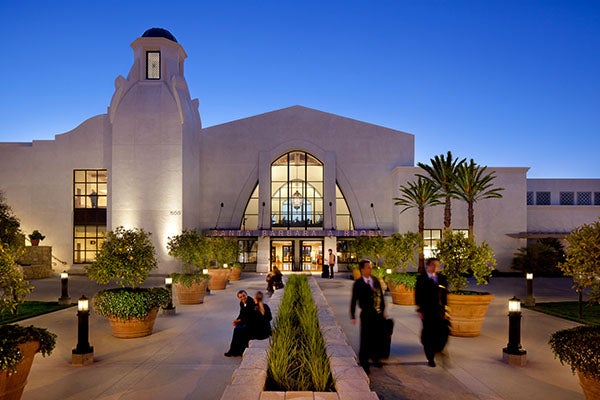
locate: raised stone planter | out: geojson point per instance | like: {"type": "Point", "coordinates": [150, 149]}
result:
{"type": "Point", "coordinates": [36, 262]}
{"type": "Point", "coordinates": [351, 382]}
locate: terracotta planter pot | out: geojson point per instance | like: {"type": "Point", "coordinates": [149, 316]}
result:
{"type": "Point", "coordinates": [133, 328]}
{"type": "Point", "coordinates": [590, 386]}
{"type": "Point", "coordinates": [384, 285]}
{"type": "Point", "coordinates": [356, 273]}
{"type": "Point", "coordinates": [467, 313]}
{"type": "Point", "coordinates": [218, 278]}
{"type": "Point", "coordinates": [235, 274]}
{"type": "Point", "coordinates": [193, 294]}
{"type": "Point", "coordinates": [402, 295]}
{"type": "Point", "coordinates": [11, 386]}
{"type": "Point", "coordinates": [35, 242]}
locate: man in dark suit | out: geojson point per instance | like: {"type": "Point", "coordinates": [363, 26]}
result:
{"type": "Point", "coordinates": [431, 299]}
{"type": "Point", "coordinates": [369, 296]}
{"type": "Point", "coordinates": [242, 325]}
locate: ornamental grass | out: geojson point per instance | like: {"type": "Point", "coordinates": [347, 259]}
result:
{"type": "Point", "coordinates": [297, 359]}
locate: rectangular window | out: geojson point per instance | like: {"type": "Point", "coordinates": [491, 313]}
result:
{"type": "Point", "coordinates": [90, 191]}
{"type": "Point", "coordinates": [597, 198]}
{"type": "Point", "coordinates": [529, 198]}
{"type": "Point", "coordinates": [542, 198]}
{"type": "Point", "coordinates": [567, 198]}
{"type": "Point", "coordinates": [431, 237]}
{"type": "Point", "coordinates": [584, 198]}
{"type": "Point", "coordinates": [248, 249]}
{"type": "Point", "coordinates": [153, 65]}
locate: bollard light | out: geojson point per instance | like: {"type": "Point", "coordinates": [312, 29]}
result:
{"type": "Point", "coordinates": [388, 271]}
{"type": "Point", "coordinates": [513, 353]}
{"type": "Point", "coordinates": [83, 353]}
{"type": "Point", "coordinates": [529, 300]}
{"type": "Point", "coordinates": [224, 265]}
{"type": "Point", "coordinates": [170, 308]}
{"type": "Point", "coordinates": [205, 271]}
{"type": "Point", "coordinates": [64, 299]}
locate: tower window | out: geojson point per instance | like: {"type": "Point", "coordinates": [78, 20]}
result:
{"type": "Point", "coordinates": [153, 65]}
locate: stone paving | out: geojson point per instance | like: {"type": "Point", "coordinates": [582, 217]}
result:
{"type": "Point", "coordinates": [183, 358]}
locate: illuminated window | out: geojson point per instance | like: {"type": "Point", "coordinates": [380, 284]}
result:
{"type": "Point", "coordinates": [297, 191]}
{"type": "Point", "coordinates": [343, 218]}
{"type": "Point", "coordinates": [90, 193]}
{"type": "Point", "coordinates": [153, 65]}
{"type": "Point", "coordinates": [250, 218]}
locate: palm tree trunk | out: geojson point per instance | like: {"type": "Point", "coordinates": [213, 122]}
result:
{"type": "Point", "coordinates": [447, 212]}
{"type": "Point", "coordinates": [471, 216]}
{"type": "Point", "coordinates": [421, 232]}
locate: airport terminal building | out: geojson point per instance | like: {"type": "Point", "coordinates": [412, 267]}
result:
{"type": "Point", "coordinates": [289, 184]}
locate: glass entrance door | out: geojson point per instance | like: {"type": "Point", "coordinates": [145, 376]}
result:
{"type": "Point", "coordinates": [282, 255]}
{"type": "Point", "coordinates": [312, 255]}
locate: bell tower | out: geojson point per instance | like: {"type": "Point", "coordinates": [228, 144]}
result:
{"type": "Point", "coordinates": [154, 146]}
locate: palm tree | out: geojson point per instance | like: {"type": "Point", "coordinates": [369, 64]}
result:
{"type": "Point", "coordinates": [443, 171]}
{"type": "Point", "coordinates": [420, 194]}
{"type": "Point", "coordinates": [473, 184]}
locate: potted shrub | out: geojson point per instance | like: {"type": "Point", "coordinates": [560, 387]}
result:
{"type": "Point", "coordinates": [18, 344]}
{"type": "Point", "coordinates": [126, 258]}
{"type": "Point", "coordinates": [191, 249]}
{"type": "Point", "coordinates": [355, 270]}
{"type": "Point", "coordinates": [222, 252]}
{"type": "Point", "coordinates": [462, 256]}
{"type": "Point", "coordinates": [35, 237]}
{"type": "Point", "coordinates": [400, 253]}
{"type": "Point", "coordinates": [580, 348]}
{"type": "Point", "coordinates": [236, 271]}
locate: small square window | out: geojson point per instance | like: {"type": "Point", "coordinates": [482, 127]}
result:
{"type": "Point", "coordinates": [567, 198]}
{"type": "Point", "coordinates": [584, 198]}
{"type": "Point", "coordinates": [597, 198]}
{"type": "Point", "coordinates": [542, 198]}
{"type": "Point", "coordinates": [153, 65]}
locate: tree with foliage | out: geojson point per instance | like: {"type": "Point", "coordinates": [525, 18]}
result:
{"type": "Point", "coordinates": [583, 259]}
{"type": "Point", "coordinates": [420, 194]}
{"type": "Point", "coordinates": [473, 183]}
{"type": "Point", "coordinates": [462, 256]}
{"type": "Point", "coordinates": [10, 226]}
{"type": "Point", "coordinates": [370, 247]}
{"type": "Point", "coordinates": [126, 257]}
{"type": "Point", "coordinates": [541, 257]}
{"type": "Point", "coordinates": [224, 250]}
{"type": "Point", "coordinates": [399, 250]}
{"type": "Point", "coordinates": [191, 249]}
{"type": "Point", "coordinates": [442, 171]}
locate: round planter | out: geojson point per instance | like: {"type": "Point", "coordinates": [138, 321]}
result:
{"type": "Point", "coordinates": [11, 386]}
{"type": "Point", "coordinates": [402, 295]}
{"type": "Point", "coordinates": [384, 285]}
{"type": "Point", "coordinates": [193, 294]}
{"type": "Point", "coordinates": [35, 242]}
{"type": "Point", "coordinates": [133, 327]}
{"type": "Point", "coordinates": [467, 313]}
{"type": "Point", "coordinates": [356, 273]}
{"type": "Point", "coordinates": [235, 274]}
{"type": "Point", "coordinates": [218, 278]}
{"type": "Point", "coordinates": [590, 386]}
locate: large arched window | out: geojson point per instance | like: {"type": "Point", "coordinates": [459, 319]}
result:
{"type": "Point", "coordinates": [297, 191]}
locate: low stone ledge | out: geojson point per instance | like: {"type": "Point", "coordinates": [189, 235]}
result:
{"type": "Point", "coordinates": [351, 382]}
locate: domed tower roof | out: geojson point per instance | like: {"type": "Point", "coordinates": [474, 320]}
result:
{"type": "Point", "coordinates": [159, 32]}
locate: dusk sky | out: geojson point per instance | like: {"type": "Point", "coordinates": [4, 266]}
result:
{"type": "Point", "coordinates": [507, 83]}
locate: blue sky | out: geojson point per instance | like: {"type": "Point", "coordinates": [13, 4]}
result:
{"type": "Point", "coordinates": [508, 83]}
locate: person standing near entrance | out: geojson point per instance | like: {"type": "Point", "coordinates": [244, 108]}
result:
{"type": "Point", "coordinates": [331, 262]}
{"type": "Point", "coordinates": [431, 298]}
{"type": "Point", "coordinates": [369, 296]}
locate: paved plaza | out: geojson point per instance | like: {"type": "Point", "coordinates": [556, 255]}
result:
{"type": "Point", "coordinates": [183, 358]}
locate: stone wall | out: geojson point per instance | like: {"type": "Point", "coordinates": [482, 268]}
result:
{"type": "Point", "coordinates": [37, 262]}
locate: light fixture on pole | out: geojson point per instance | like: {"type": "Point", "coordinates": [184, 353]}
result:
{"type": "Point", "coordinates": [513, 353]}
{"type": "Point", "coordinates": [64, 299]}
{"type": "Point", "coordinates": [170, 308]}
{"type": "Point", "coordinates": [529, 300]}
{"type": "Point", "coordinates": [83, 353]}
{"type": "Point", "coordinates": [375, 216]}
